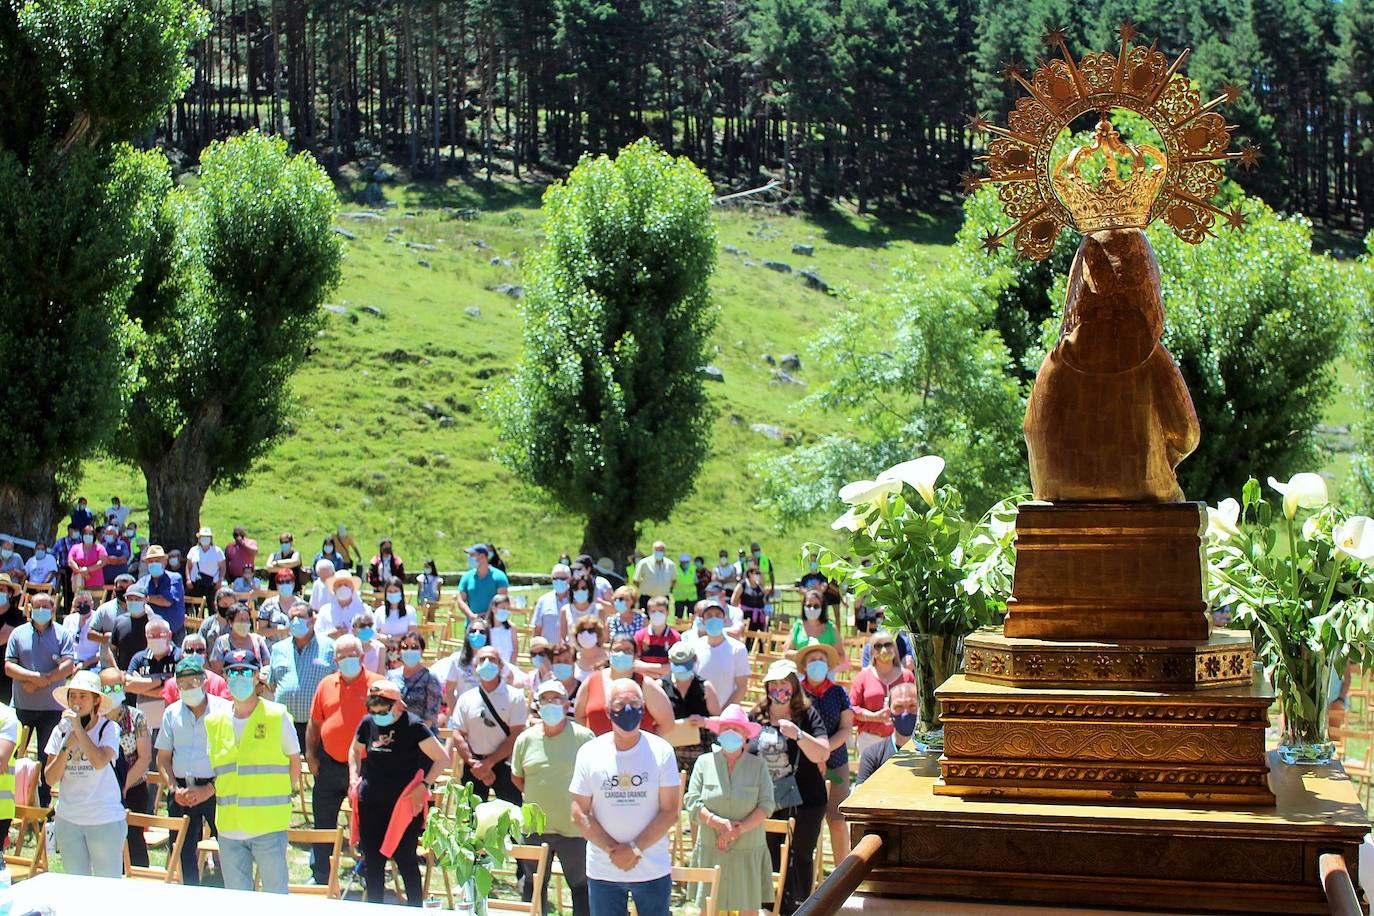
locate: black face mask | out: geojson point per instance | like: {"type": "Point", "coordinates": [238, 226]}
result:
{"type": "Point", "coordinates": [120, 592]}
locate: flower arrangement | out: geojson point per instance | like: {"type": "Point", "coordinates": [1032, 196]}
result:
{"type": "Point", "coordinates": [475, 838]}
{"type": "Point", "coordinates": [1303, 588]}
{"type": "Point", "coordinates": [938, 576]}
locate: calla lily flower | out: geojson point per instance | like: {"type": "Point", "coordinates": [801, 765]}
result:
{"type": "Point", "coordinates": [847, 522]}
{"type": "Point", "coordinates": [488, 814]}
{"type": "Point", "coordinates": [1355, 538]}
{"type": "Point", "coordinates": [920, 474]}
{"type": "Point", "coordinates": [862, 492]}
{"type": "Point", "coordinates": [1222, 521]}
{"type": "Point", "coordinates": [1303, 491]}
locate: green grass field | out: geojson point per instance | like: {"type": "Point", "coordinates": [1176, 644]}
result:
{"type": "Point", "coordinates": [368, 447]}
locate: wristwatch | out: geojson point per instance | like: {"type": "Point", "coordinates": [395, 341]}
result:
{"type": "Point", "coordinates": [635, 849]}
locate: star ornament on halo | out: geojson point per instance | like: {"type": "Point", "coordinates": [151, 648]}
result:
{"type": "Point", "coordinates": [1236, 218]}
{"type": "Point", "coordinates": [991, 243]}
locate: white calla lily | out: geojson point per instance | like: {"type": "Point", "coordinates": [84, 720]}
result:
{"type": "Point", "coordinates": [1355, 538]}
{"type": "Point", "coordinates": [920, 474]}
{"type": "Point", "coordinates": [1223, 521]}
{"type": "Point", "coordinates": [1303, 491]}
{"type": "Point", "coordinates": [847, 522]}
{"type": "Point", "coordinates": [862, 492]}
{"type": "Point", "coordinates": [488, 814]}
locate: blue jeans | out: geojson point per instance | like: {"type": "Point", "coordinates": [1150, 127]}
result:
{"type": "Point", "coordinates": [97, 850]}
{"type": "Point", "coordinates": [268, 851]}
{"type": "Point", "coordinates": [611, 898]}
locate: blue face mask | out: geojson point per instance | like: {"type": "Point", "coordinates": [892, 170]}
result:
{"type": "Point", "coordinates": [477, 639]}
{"type": "Point", "coordinates": [39, 554]}
{"type": "Point", "coordinates": [581, 595]}
{"type": "Point", "coordinates": [243, 687]}
{"type": "Point", "coordinates": [905, 723]}
{"type": "Point", "coordinates": [488, 670]}
{"type": "Point", "coordinates": [562, 671]}
{"type": "Point", "coordinates": [366, 633]}
{"type": "Point", "coordinates": [4, 599]}
{"type": "Point", "coordinates": [658, 554]}
{"type": "Point", "coordinates": [42, 615]}
{"type": "Point", "coordinates": [621, 604]}
{"type": "Point", "coordinates": [501, 616]}
{"type": "Point", "coordinates": [622, 661]}
{"type": "Point", "coordinates": [730, 741]}
{"type": "Point", "coordinates": [627, 718]}
{"type": "Point", "coordinates": [552, 713]}
{"type": "Point", "coordinates": [560, 586]}
{"type": "Point", "coordinates": [299, 627]}
{"type": "Point", "coordinates": [683, 672]}
{"type": "Point", "coordinates": [715, 626]}
{"type": "Point", "coordinates": [383, 719]}
{"type": "Point", "coordinates": [286, 588]}
{"type": "Point", "coordinates": [411, 657]}
{"type": "Point", "coordinates": [815, 565]}
{"type": "Point", "coordinates": [393, 597]}
{"type": "Point", "coordinates": [136, 608]}
{"type": "Point", "coordinates": [817, 670]}
{"type": "Point", "coordinates": [472, 562]}
{"type": "Point", "coordinates": [350, 667]}
{"type": "Point", "coordinates": [155, 569]}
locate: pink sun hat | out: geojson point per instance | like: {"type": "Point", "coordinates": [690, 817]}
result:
{"type": "Point", "coordinates": [733, 715]}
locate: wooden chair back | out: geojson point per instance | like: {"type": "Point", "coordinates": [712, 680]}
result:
{"type": "Point", "coordinates": [177, 828]}
{"type": "Point", "coordinates": [335, 838]}
{"type": "Point", "coordinates": [708, 876]}
{"type": "Point", "coordinates": [538, 855]}
{"type": "Point", "coordinates": [784, 829]}
{"type": "Point", "coordinates": [31, 821]}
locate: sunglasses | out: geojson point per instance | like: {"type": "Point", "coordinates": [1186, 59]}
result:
{"type": "Point", "coordinates": [241, 672]}
{"type": "Point", "coordinates": [192, 651]}
{"type": "Point", "coordinates": [884, 645]}
{"type": "Point", "coordinates": [617, 707]}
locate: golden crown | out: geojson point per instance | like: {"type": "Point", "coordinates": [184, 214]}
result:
{"type": "Point", "coordinates": [1177, 186]}
{"type": "Point", "coordinates": [1112, 201]}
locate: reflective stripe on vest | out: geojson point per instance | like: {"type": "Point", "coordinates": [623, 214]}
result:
{"type": "Point", "coordinates": [685, 588]}
{"type": "Point", "coordinates": [252, 776]}
{"type": "Point", "coordinates": [7, 778]}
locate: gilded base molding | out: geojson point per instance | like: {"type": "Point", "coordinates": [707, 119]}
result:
{"type": "Point", "coordinates": [1226, 658]}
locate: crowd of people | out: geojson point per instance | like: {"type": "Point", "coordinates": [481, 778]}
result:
{"type": "Point", "coordinates": [616, 690]}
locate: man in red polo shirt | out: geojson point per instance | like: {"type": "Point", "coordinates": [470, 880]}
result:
{"type": "Point", "coordinates": [337, 711]}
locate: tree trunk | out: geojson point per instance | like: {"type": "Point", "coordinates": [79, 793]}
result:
{"type": "Point", "coordinates": [178, 480]}
{"type": "Point", "coordinates": [30, 507]}
{"type": "Point", "coordinates": [613, 538]}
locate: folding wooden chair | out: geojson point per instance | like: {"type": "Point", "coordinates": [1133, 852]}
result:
{"type": "Point", "coordinates": [539, 855]}
{"type": "Point", "coordinates": [304, 837]}
{"type": "Point", "coordinates": [177, 828]}
{"type": "Point", "coordinates": [783, 828]}
{"type": "Point", "coordinates": [30, 820]}
{"type": "Point", "coordinates": [708, 876]}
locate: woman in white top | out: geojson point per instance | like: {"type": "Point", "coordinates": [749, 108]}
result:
{"type": "Point", "coordinates": [89, 824]}
{"type": "Point", "coordinates": [504, 636]}
{"type": "Point", "coordinates": [374, 652]}
{"type": "Point", "coordinates": [394, 617]}
{"type": "Point", "coordinates": [588, 641]}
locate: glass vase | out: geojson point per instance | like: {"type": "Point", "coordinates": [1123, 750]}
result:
{"type": "Point", "coordinates": [936, 658]}
{"type": "Point", "coordinates": [1305, 702]}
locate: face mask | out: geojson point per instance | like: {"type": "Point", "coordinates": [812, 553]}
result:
{"type": "Point", "coordinates": [683, 672]}
{"type": "Point", "coordinates": [42, 615]}
{"type": "Point", "coordinates": [502, 615]}
{"type": "Point", "coordinates": [158, 646]}
{"type": "Point", "coordinates": [299, 627]}
{"type": "Point", "coordinates": [242, 627]}
{"type": "Point", "coordinates": [622, 661]}
{"type": "Point", "coordinates": [581, 595]}
{"type": "Point", "coordinates": [815, 565]}
{"type": "Point", "coordinates": [472, 562]}
{"type": "Point", "coordinates": [905, 723]}
{"type": "Point", "coordinates": [560, 586]}
{"type": "Point", "coordinates": [39, 554]}
{"type": "Point", "coordinates": [108, 539]}
{"type": "Point", "coordinates": [205, 542]}
{"type": "Point", "coordinates": [83, 609]}
{"type": "Point", "coordinates": [285, 546]}
{"type": "Point", "coordinates": [562, 671]}
{"type": "Point", "coordinates": [4, 600]}
{"type": "Point", "coordinates": [730, 741]}
{"type": "Point", "coordinates": [9, 553]}
{"type": "Point", "coordinates": [658, 554]}
{"type": "Point", "coordinates": [129, 533]}
{"type": "Point", "coordinates": [780, 695]}
{"type": "Point", "coordinates": [242, 687]}
{"type": "Point", "coordinates": [812, 612]}
{"type": "Point", "coordinates": [366, 633]}
{"type": "Point", "coordinates": [586, 639]}
{"type": "Point", "coordinates": [155, 569]}
{"type": "Point", "coordinates": [488, 670]}
{"type": "Point", "coordinates": [698, 564]}
{"type": "Point", "coordinates": [350, 667]}
{"type": "Point", "coordinates": [724, 559]}
{"type": "Point", "coordinates": [715, 626]}
{"type": "Point", "coordinates": [136, 608]}
{"type": "Point", "coordinates": [621, 604]}
{"type": "Point", "coordinates": [411, 657]}
{"type": "Point", "coordinates": [477, 639]}
{"type": "Point", "coordinates": [286, 588]}
{"type": "Point", "coordinates": [344, 594]}
{"type": "Point", "coordinates": [757, 554]}
{"type": "Point", "coordinates": [328, 549]}
{"type": "Point", "coordinates": [386, 551]}
{"type": "Point", "coordinates": [658, 618]}
{"type": "Point", "coordinates": [116, 697]}
{"type": "Point", "coordinates": [174, 562]}
{"type": "Point", "coordinates": [383, 719]}
{"type": "Point", "coordinates": [627, 718]}
{"type": "Point", "coordinates": [552, 713]}
{"type": "Point", "coordinates": [817, 670]}
{"type": "Point", "coordinates": [193, 696]}
{"type": "Point", "coordinates": [393, 597]}
{"type": "Point", "coordinates": [88, 539]}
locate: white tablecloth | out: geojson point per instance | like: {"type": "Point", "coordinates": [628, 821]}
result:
{"type": "Point", "coordinates": [70, 895]}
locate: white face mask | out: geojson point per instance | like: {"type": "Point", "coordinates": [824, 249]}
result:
{"type": "Point", "coordinates": [586, 639]}
{"type": "Point", "coordinates": [344, 594]}
{"type": "Point", "coordinates": [658, 618]}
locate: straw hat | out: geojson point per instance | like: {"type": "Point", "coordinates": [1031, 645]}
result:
{"type": "Point", "coordinates": [8, 584]}
{"type": "Point", "coordinates": [88, 681]}
{"type": "Point", "coordinates": [344, 577]}
{"type": "Point", "coordinates": [154, 552]}
{"type": "Point", "coordinates": [833, 658]}
{"type": "Point", "coordinates": [733, 717]}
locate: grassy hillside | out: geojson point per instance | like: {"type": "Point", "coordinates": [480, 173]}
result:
{"type": "Point", "coordinates": [391, 437]}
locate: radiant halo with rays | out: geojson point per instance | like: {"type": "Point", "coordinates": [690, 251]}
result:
{"type": "Point", "coordinates": [1140, 79]}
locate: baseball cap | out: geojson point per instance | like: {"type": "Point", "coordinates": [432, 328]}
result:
{"type": "Point", "coordinates": [682, 652]}
{"type": "Point", "coordinates": [386, 689]}
{"type": "Point", "coordinates": [241, 658]}
{"type": "Point", "coordinates": [190, 664]}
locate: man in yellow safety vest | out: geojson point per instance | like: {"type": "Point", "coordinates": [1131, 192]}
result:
{"type": "Point", "coordinates": [9, 739]}
{"type": "Point", "coordinates": [257, 762]}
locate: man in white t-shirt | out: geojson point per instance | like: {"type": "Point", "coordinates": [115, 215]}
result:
{"type": "Point", "coordinates": [205, 564]}
{"type": "Point", "coordinates": [486, 721]}
{"type": "Point", "coordinates": [721, 660]}
{"type": "Point", "coordinates": [336, 616]}
{"type": "Point", "coordinates": [625, 799]}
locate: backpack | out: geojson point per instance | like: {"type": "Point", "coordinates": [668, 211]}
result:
{"type": "Point", "coordinates": [120, 763]}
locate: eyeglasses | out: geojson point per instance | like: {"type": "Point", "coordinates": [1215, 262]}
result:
{"type": "Point", "coordinates": [617, 707]}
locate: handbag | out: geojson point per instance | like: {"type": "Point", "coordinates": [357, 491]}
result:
{"type": "Point", "coordinates": [786, 792]}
